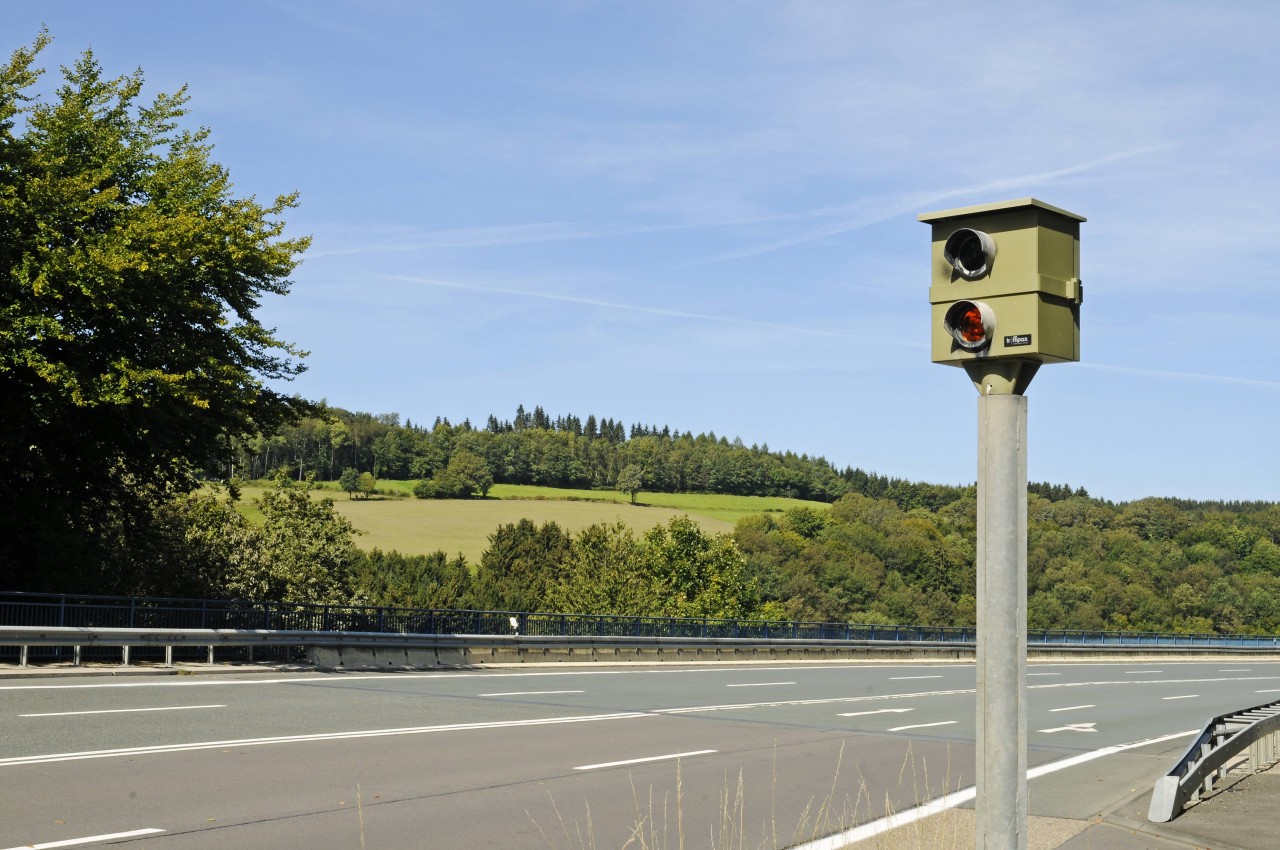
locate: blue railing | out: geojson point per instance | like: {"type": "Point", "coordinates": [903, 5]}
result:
{"type": "Point", "coordinates": [40, 609]}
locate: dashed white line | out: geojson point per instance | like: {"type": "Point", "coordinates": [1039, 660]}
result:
{"type": "Point", "coordinates": [1183, 696]}
{"type": "Point", "coordinates": [530, 693]}
{"type": "Point", "coordinates": [1072, 707]}
{"type": "Point", "coordinates": [1235, 670]}
{"type": "Point", "coordinates": [923, 725]}
{"type": "Point", "coordinates": [758, 684]}
{"type": "Point", "coordinates": [120, 710]}
{"type": "Point", "coordinates": [1143, 671]}
{"type": "Point", "coordinates": [92, 839]}
{"type": "Point", "coordinates": [645, 760]}
{"type": "Point", "coordinates": [1044, 674]}
{"type": "Point", "coordinates": [877, 711]}
{"type": "Point", "coordinates": [900, 678]}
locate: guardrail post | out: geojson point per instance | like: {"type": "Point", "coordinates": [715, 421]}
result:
{"type": "Point", "coordinates": [75, 656]}
{"type": "Point", "coordinates": [210, 653]}
{"type": "Point", "coordinates": [22, 656]}
{"type": "Point", "coordinates": [124, 656]}
{"type": "Point", "coordinates": [168, 656]}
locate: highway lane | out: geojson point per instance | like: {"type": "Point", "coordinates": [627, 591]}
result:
{"type": "Point", "coordinates": [499, 757]}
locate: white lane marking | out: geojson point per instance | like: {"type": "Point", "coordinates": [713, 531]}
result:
{"type": "Point", "coordinates": [693, 709]}
{"type": "Point", "coordinates": [644, 760]}
{"type": "Point", "coordinates": [877, 711]}
{"type": "Point", "coordinates": [1143, 671]}
{"type": "Point", "coordinates": [1072, 727]}
{"type": "Point", "coordinates": [1271, 691]}
{"type": "Point", "coordinates": [923, 725]}
{"type": "Point", "coordinates": [71, 842]}
{"type": "Point", "coordinates": [950, 801]}
{"type": "Point", "coordinates": [9, 762]}
{"type": "Point", "coordinates": [1044, 674]}
{"type": "Point", "coordinates": [758, 684]}
{"type": "Point", "coordinates": [326, 736]}
{"type": "Point", "coordinates": [899, 678]}
{"type": "Point", "coordinates": [530, 693]}
{"type": "Point", "coordinates": [1158, 681]}
{"type": "Point", "coordinates": [1072, 708]}
{"type": "Point", "coordinates": [1236, 670]}
{"type": "Point", "coordinates": [1184, 696]}
{"type": "Point", "coordinates": [120, 710]}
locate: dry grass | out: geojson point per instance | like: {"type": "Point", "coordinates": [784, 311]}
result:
{"type": "Point", "coordinates": [659, 820]}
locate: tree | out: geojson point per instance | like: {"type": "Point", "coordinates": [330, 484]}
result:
{"type": "Point", "coordinates": [308, 549]}
{"type": "Point", "coordinates": [130, 355]}
{"type": "Point", "coordinates": [520, 564]}
{"type": "Point", "coordinates": [630, 480]}
{"type": "Point", "coordinates": [349, 481]}
{"type": "Point", "coordinates": [367, 485]}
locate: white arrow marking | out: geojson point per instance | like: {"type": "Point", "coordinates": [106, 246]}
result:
{"type": "Point", "coordinates": [1073, 727]}
{"type": "Point", "coordinates": [878, 711]}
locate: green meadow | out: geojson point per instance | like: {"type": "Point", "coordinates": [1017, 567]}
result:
{"type": "Point", "coordinates": [395, 520]}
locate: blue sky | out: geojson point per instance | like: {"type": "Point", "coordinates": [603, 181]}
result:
{"type": "Point", "coordinates": [703, 214]}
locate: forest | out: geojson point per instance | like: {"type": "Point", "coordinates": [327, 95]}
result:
{"type": "Point", "coordinates": [567, 451]}
{"type": "Point", "coordinates": [1154, 565]}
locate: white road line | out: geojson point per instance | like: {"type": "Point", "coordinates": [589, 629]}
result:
{"type": "Point", "coordinates": [1271, 691]}
{"type": "Point", "coordinates": [72, 842]}
{"type": "Point", "coordinates": [950, 801]}
{"type": "Point", "coordinates": [326, 736]}
{"type": "Point", "coordinates": [120, 710]}
{"type": "Point", "coordinates": [1143, 671]}
{"type": "Point", "coordinates": [1236, 670]}
{"type": "Point", "coordinates": [1044, 674]}
{"type": "Point", "coordinates": [695, 709]}
{"type": "Point", "coordinates": [877, 711]}
{"type": "Point", "coordinates": [644, 760]}
{"type": "Point", "coordinates": [759, 684]}
{"type": "Point", "coordinates": [530, 693]}
{"type": "Point", "coordinates": [1072, 707]}
{"type": "Point", "coordinates": [923, 725]}
{"type": "Point", "coordinates": [1184, 696]}
{"type": "Point", "coordinates": [899, 678]}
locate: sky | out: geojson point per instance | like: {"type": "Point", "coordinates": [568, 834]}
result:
{"type": "Point", "coordinates": [704, 214]}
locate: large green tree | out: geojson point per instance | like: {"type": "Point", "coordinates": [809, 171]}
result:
{"type": "Point", "coordinates": [130, 354]}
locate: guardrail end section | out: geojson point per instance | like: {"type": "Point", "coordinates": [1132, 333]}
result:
{"type": "Point", "coordinates": [1164, 799]}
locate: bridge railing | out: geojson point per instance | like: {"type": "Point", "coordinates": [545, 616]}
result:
{"type": "Point", "coordinates": [69, 610]}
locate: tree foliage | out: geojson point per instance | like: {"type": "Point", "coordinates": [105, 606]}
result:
{"type": "Point", "coordinates": [130, 273]}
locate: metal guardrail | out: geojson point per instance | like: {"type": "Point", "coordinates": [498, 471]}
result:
{"type": "Point", "coordinates": [511, 645]}
{"type": "Point", "coordinates": [1205, 762]}
{"type": "Point", "coordinates": [35, 609]}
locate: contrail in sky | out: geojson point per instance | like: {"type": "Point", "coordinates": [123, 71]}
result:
{"type": "Point", "coordinates": [849, 217]}
{"type": "Point", "coordinates": [907, 204]}
{"type": "Point", "coordinates": [631, 308]}
{"type": "Point", "coordinates": [1184, 376]}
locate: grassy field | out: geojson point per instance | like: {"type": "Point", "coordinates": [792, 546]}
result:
{"type": "Point", "coordinates": [421, 526]}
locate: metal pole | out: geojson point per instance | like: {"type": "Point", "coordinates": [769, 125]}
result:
{"type": "Point", "coordinates": [1002, 623]}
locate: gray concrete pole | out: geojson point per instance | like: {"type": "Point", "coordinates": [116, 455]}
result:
{"type": "Point", "coordinates": [1002, 623]}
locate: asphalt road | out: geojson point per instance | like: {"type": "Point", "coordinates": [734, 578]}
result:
{"type": "Point", "coordinates": [749, 756]}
